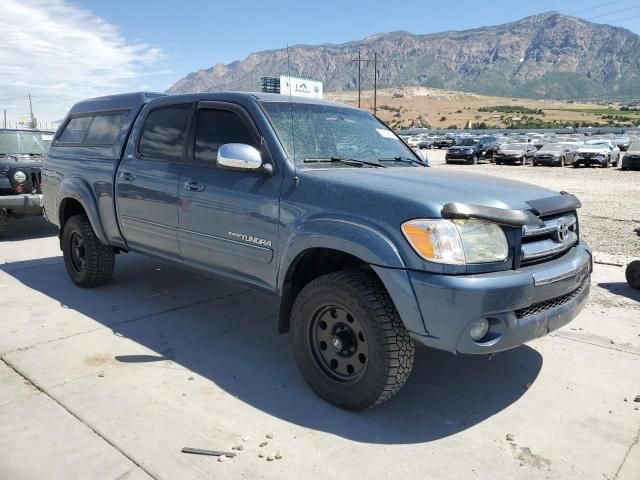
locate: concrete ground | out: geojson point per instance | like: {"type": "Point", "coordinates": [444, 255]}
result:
{"type": "Point", "coordinates": [113, 382]}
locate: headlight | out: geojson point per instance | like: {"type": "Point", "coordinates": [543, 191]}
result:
{"type": "Point", "coordinates": [20, 177]}
{"type": "Point", "coordinates": [457, 242]}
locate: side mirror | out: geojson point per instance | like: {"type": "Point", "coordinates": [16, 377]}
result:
{"type": "Point", "coordinates": [239, 156]}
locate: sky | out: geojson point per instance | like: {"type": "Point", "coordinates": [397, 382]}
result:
{"type": "Point", "coordinates": [62, 51]}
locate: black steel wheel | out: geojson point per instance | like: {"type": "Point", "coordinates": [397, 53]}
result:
{"type": "Point", "coordinates": [338, 343]}
{"type": "Point", "coordinates": [632, 273]}
{"type": "Point", "coordinates": [88, 262]}
{"type": "Point", "coordinates": [350, 344]}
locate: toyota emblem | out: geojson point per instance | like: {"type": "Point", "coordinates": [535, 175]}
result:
{"type": "Point", "coordinates": [562, 232]}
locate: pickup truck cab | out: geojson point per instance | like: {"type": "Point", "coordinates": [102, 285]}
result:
{"type": "Point", "coordinates": [21, 155]}
{"type": "Point", "coordinates": [324, 207]}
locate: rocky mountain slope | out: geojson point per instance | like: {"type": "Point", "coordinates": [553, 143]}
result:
{"type": "Point", "coordinates": [549, 55]}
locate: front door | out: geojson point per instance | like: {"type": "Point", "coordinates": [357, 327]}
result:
{"type": "Point", "coordinates": [228, 220]}
{"type": "Point", "coordinates": [147, 183]}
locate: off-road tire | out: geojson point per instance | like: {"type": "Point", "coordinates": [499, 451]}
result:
{"type": "Point", "coordinates": [4, 224]}
{"type": "Point", "coordinates": [99, 258]}
{"type": "Point", "coordinates": [632, 273]}
{"type": "Point", "coordinates": [390, 349]}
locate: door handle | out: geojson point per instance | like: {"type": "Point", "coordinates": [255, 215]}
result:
{"type": "Point", "coordinates": [194, 186]}
{"type": "Point", "coordinates": [127, 177]}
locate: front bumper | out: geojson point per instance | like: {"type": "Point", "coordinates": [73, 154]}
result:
{"type": "Point", "coordinates": [546, 160]}
{"type": "Point", "coordinates": [521, 305]}
{"type": "Point", "coordinates": [630, 161]}
{"type": "Point", "coordinates": [589, 161]}
{"type": "Point", "coordinates": [508, 158]}
{"type": "Point", "coordinates": [459, 156]}
{"type": "Point", "coordinates": [24, 204]}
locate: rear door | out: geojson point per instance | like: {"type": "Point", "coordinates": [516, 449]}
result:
{"type": "Point", "coordinates": [228, 220]}
{"type": "Point", "coordinates": [147, 182]}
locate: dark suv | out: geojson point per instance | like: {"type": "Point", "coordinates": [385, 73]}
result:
{"type": "Point", "coordinates": [469, 150]}
{"type": "Point", "coordinates": [21, 156]}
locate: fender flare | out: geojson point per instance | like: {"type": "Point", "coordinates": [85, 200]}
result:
{"type": "Point", "coordinates": [80, 191]}
{"type": "Point", "coordinates": [359, 240]}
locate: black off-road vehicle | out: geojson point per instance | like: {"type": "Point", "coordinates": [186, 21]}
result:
{"type": "Point", "coordinates": [22, 153]}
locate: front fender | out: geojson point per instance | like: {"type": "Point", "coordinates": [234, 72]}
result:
{"type": "Point", "coordinates": [80, 191]}
{"type": "Point", "coordinates": [359, 240]}
{"type": "Point", "coordinates": [367, 244]}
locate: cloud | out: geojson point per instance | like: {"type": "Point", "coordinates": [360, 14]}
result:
{"type": "Point", "coordinates": [62, 53]}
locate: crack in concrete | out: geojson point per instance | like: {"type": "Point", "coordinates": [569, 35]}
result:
{"type": "Point", "coordinates": [70, 412]}
{"type": "Point", "coordinates": [632, 351]}
{"type": "Point", "coordinates": [634, 443]}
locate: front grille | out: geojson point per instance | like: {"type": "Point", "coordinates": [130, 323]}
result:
{"type": "Point", "coordinates": [559, 234]}
{"type": "Point", "coordinates": [36, 181]}
{"type": "Point", "coordinates": [553, 303]}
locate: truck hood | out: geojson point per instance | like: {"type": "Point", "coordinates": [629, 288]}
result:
{"type": "Point", "coordinates": [593, 149]}
{"type": "Point", "coordinates": [430, 188]}
{"type": "Point", "coordinates": [21, 161]}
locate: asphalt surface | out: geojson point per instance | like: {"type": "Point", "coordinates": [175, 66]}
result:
{"type": "Point", "coordinates": [113, 382]}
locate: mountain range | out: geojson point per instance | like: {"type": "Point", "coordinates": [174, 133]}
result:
{"type": "Point", "coordinates": [548, 55]}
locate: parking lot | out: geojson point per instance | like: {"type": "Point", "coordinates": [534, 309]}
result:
{"type": "Point", "coordinates": [113, 382]}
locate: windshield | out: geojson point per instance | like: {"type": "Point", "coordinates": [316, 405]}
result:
{"type": "Point", "coordinates": [552, 148]}
{"type": "Point", "coordinates": [316, 132]}
{"type": "Point", "coordinates": [598, 143]}
{"type": "Point", "coordinates": [514, 146]}
{"type": "Point", "coordinates": [24, 143]}
{"type": "Point", "coordinates": [468, 142]}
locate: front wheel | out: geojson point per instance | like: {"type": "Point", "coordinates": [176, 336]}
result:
{"type": "Point", "coordinates": [88, 261]}
{"type": "Point", "coordinates": [349, 341]}
{"type": "Point", "coordinates": [474, 160]}
{"type": "Point", "coordinates": [632, 273]}
{"type": "Point", "coordinates": [561, 162]}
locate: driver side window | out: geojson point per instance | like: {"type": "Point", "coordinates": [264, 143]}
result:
{"type": "Point", "coordinates": [217, 127]}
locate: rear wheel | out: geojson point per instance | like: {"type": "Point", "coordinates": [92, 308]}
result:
{"type": "Point", "coordinates": [350, 344]}
{"type": "Point", "coordinates": [89, 262]}
{"type": "Point", "coordinates": [633, 274]}
{"type": "Point", "coordinates": [4, 221]}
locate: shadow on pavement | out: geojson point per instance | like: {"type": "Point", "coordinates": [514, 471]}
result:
{"type": "Point", "coordinates": [247, 358]}
{"type": "Point", "coordinates": [621, 289]}
{"type": "Point", "coordinates": [29, 228]}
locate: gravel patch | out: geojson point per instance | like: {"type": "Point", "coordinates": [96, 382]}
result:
{"type": "Point", "coordinates": [610, 213]}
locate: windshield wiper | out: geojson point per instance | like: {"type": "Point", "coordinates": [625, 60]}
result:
{"type": "Point", "coordinates": [348, 161]}
{"type": "Point", "coordinates": [402, 159]}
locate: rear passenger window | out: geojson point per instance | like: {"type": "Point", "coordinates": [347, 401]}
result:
{"type": "Point", "coordinates": [164, 132]}
{"type": "Point", "coordinates": [76, 130]}
{"type": "Point", "coordinates": [104, 129]}
{"type": "Point", "coordinates": [99, 130]}
{"type": "Point", "coordinates": [217, 127]}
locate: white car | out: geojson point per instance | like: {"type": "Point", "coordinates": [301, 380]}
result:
{"type": "Point", "coordinates": [597, 152]}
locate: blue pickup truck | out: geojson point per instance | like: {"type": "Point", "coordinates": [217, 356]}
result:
{"type": "Point", "coordinates": [323, 206]}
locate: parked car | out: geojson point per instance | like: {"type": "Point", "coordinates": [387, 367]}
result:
{"type": "Point", "coordinates": [554, 154]}
{"type": "Point", "coordinates": [631, 157]}
{"type": "Point", "coordinates": [21, 155]}
{"type": "Point", "coordinates": [597, 152]}
{"type": "Point", "coordinates": [514, 153]}
{"type": "Point", "coordinates": [622, 143]}
{"type": "Point", "coordinates": [366, 250]}
{"type": "Point", "coordinates": [469, 150]}
{"type": "Point", "coordinates": [443, 142]}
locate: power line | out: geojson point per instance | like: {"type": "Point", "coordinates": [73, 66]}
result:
{"type": "Point", "coordinates": [615, 11]}
{"type": "Point", "coordinates": [596, 7]}
{"type": "Point", "coordinates": [623, 19]}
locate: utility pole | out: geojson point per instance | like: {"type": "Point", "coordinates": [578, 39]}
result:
{"type": "Point", "coordinates": [5, 118]}
{"type": "Point", "coordinates": [359, 64]}
{"type": "Point", "coordinates": [33, 120]}
{"type": "Point", "coordinates": [375, 83]}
